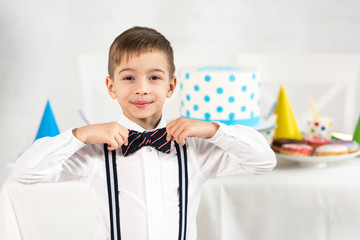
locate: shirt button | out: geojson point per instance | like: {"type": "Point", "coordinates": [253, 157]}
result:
{"type": "Point", "coordinates": [149, 149]}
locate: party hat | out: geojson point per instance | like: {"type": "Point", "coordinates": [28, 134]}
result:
{"type": "Point", "coordinates": [286, 123]}
{"type": "Point", "coordinates": [356, 135]}
{"type": "Point", "coordinates": [48, 126]}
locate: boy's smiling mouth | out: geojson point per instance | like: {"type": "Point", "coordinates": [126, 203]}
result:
{"type": "Point", "coordinates": [141, 104]}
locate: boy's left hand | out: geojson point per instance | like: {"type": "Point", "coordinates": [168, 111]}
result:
{"type": "Point", "coordinates": [181, 128]}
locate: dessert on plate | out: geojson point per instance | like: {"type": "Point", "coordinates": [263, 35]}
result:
{"type": "Point", "coordinates": [296, 149]}
{"type": "Point", "coordinates": [331, 150]}
{"type": "Point", "coordinates": [277, 143]}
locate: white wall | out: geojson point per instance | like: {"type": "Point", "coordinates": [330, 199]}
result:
{"type": "Point", "coordinates": [40, 41]}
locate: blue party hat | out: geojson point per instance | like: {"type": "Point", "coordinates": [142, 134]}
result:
{"type": "Point", "coordinates": [48, 126]}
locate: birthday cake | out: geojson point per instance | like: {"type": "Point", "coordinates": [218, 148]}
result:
{"type": "Point", "coordinates": [230, 95]}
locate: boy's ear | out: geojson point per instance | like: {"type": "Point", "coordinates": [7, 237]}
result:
{"type": "Point", "coordinates": [172, 85]}
{"type": "Point", "coordinates": [110, 87]}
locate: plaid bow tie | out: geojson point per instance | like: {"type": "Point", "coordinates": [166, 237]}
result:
{"type": "Point", "coordinates": [137, 140]}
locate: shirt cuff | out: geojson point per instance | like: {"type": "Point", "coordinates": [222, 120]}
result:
{"type": "Point", "coordinates": [70, 144]}
{"type": "Point", "coordinates": [221, 138]}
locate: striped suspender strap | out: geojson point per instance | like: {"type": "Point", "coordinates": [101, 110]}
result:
{"type": "Point", "coordinates": [113, 194]}
{"type": "Point", "coordinates": [183, 189]}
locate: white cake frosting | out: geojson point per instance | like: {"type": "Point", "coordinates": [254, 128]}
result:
{"type": "Point", "coordinates": [221, 93]}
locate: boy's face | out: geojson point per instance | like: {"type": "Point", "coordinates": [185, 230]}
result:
{"type": "Point", "coordinates": [141, 86]}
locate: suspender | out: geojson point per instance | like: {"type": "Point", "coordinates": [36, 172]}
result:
{"type": "Point", "coordinates": [113, 193]}
{"type": "Point", "coordinates": [183, 193]}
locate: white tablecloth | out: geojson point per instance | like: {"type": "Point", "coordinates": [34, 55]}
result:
{"type": "Point", "coordinates": [289, 203]}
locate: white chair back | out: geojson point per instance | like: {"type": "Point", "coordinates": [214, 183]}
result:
{"type": "Point", "coordinates": [98, 106]}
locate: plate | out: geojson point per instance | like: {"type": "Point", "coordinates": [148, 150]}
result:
{"type": "Point", "coordinates": [317, 161]}
{"type": "Point", "coordinates": [264, 125]}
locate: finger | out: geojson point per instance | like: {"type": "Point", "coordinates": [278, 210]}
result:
{"type": "Point", "coordinates": [173, 133]}
{"type": "Point", "coordinates": [182, 137]}
{"type": "Point", "coordinates": [121, 135]}
{"type": "Point", "coordinates": [112, 144]}
{"type": "Point", "coordinates": [186, 132]}
{"type": "Point", "coordinates": [124, 134]}
{"type": "Point", "coordinates": [169, 137]}
{"type": "Point", "coordinates": [170, 129]}
{"type": "Point", "coordinates": [119, 140]}
{"type": "Point", "coordinates": [177, 134]}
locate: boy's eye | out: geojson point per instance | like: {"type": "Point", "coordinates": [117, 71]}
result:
{"type": "Point", "coordinates": [155, 78]}
{"type": "Point", "coordinates": [128, 78]}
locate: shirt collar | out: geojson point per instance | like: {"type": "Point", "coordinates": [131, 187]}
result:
{"type": "Point", "coordinates": [126, 122]}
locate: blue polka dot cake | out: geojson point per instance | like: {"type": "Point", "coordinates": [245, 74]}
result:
{"type": "Point", "coordinates": [230, 95]}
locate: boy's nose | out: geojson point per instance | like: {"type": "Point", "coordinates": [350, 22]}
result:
{"type": "Point", "coordinates": [142, 87]}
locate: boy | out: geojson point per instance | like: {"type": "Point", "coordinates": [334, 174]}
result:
{"type": "Point", "coordinates": [141, 77]}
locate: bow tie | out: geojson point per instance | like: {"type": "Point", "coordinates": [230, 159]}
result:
{"type": "Point", "coordinates": [137, 140]}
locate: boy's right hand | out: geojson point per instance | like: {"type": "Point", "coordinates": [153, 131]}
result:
{"type": "Point", "coordinates": [111, 133]}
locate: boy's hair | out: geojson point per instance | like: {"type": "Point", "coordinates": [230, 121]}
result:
{"type": "Point", "coordinates": [138, 40]}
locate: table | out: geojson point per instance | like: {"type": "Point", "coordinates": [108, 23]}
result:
{"type": "Point", "coordinates": [55, 211]}
{"type": "Point", "coordinates": [289, 203]}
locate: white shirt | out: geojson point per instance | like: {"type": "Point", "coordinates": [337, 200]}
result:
{"type": "Point", "coordinates": [148, 182]}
